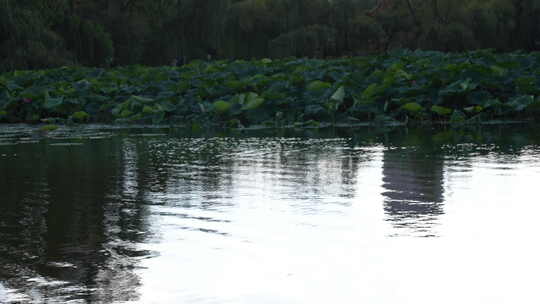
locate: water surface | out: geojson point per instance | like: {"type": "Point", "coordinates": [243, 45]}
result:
{"type": "Point", "coordinates": [102, 214]}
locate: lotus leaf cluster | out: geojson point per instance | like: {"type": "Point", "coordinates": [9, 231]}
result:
{"type": "Point", "coordinates": [402, 86]}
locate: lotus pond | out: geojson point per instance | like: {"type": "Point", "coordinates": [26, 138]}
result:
{"type": "Point", "coordinates": [116, 214]}
{"type": "Point", "coordinates": [396, 88]}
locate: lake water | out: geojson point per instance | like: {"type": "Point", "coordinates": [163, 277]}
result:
{"type": "Point", "coordinates": [102, 214]}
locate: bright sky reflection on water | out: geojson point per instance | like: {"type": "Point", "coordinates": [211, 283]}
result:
{"type": "Point", "coordinates": [408, 217]}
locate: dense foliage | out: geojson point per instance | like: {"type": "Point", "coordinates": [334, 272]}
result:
{"type": "Point", "coordinates": [46, 33]}
{"type": "Point", "coordinates": [397, 87]}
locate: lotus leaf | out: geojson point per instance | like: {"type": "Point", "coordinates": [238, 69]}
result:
{"type": "Point", "coordinates": [413, 107]}
{"type": "Point", "coordinates": [148, 110]}
{"type": "Point", "coordinates": [457, 117]}
{"type": "Point", "coordinates": [166, 106]}
{"type": "Point", "coordinates": [527, 85]}
{"type": "Point", "coordinates": [126, 113]}
{"type": "Point", "coordinates": [369, 94]}
{"type": "Point", "coordinates": [51, 103]}
{"type": "Point", "coordinates": [498, 71]}
{"type": "Point", "coordinates": [420, 83]}
{"type": "Point", "coordinates": [252, 101]}
{"type": "Point", "coordinates": [473, 109]}
{"type": "Point", "coordinates": [49, 128]}
{"type": "Point", "coordinates": [492, 103]}
{"type": "Point", "coordinates": [221, 106]}
{"type": "Point", "coordinates": [339, 95]}
{"type": "Point", "coordinates": [318, 85]}
{"type": "Point", "coordinates": [459, 87]}
{"type": "Point", "coordinates": [80, 116]}
{"type": "Point", "coordinates": [520, 103]}
{"type": "Point", "coordinates": [442, 111]}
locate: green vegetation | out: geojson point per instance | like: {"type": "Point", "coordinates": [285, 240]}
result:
{"type": "Point", "coordinates": [48, 128]}
{"type": "Point", "coordinates": [36, 34]}
{"type": "Point", "coordinates": [403, 86]}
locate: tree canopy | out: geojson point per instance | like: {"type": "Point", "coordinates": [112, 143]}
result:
{"type": "Point", "coordinates": [46, 33]}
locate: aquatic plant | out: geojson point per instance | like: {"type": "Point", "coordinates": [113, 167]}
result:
{"type": "Point", "coordinates": [413, 86]}
{"type": "Point", "coordinates": [48, 128]}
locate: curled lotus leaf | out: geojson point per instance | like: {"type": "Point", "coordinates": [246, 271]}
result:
{"type": "Point", "coordinates": [339, 95]}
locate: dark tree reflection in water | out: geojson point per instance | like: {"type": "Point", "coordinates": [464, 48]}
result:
{"type": "Point", "coordinates": [63, 233]}
{"type": "Point", "coordinates": [413, 172]}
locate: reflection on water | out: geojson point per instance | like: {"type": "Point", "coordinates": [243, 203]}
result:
{"type": "Point", "coordinates": [103, 215]}
{"type": "Point", "coordinates": [64, 227]}
{"type": "Point", "coordinates": [413, 181]}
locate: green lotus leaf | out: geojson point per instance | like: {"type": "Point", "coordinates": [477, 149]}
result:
{"type": "Point", "coordinates": [166, 106]}
{"type": "Point", "coordinates": [126, 113]}
{"type": "Point", "coordinates": [51, 103]}
{"type": "Point", "coordinates": [442, 111]}
{"type": "Point", "coordinates": [526, 85]}
{"type": "Point", "coordinates": [222, 106]}
{"type": "Point", "coordinates": [48, 128]}
{"type": "Point", "coordinates": [234, 123]}
{"type": "Point", "coordinates": [459, 87]}
{"type": "Point", "coordinates": [457, 117]}
{"type": "Point", "coordinates": [80, 116]}
{"type": "Point", "coordinates": [235, 84]}
{"type": "Point", "coordinates": [473, 109]}
{"type": "Point", "coordinates": [491, 103]}
{"type": "Point", "coordinates": [252, 101]}
{"type": "Point", "coordinates": [158, 118]}
{"type": "Point", "coordinates": [318, 85]}
{"type": "Point", "coordinates": [412, 107]}
{"type": "Point", "coordinates": [497, 70]}
{"type": "Point", "coordinates": [370, 93]}
{"type": "Point", "coordinates": [148, 110]}
{"type": "Point", "coordinates": [139, 100]}
{"type": "Point", "coordinates": [520, 103]}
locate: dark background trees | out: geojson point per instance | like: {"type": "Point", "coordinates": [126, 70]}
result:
{"type": "Point", "coordinates": [46, 33]}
